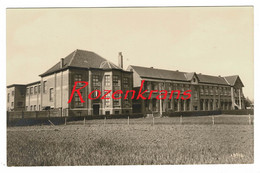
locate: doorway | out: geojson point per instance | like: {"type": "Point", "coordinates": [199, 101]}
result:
{"type": "Point", "coordinates": [96, 109]}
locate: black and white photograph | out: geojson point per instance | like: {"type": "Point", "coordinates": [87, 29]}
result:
{"type": "Point", "coordinates": [113, 86]}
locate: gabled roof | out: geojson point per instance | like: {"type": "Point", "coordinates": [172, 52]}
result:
{"type": "Point", "coordinates": [145, 72]}
{"type": "Point", "coordinates": [211, 79]}
{"type": "Point", "coordinates": [82, 59]}
{"type": "Point", "coordinates": [233, 79]}
{"type": "Point", "coordinates": [189, 76]}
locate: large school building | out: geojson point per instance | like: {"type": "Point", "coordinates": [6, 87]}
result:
{"type": "Point", "coordinates": [54, 87]}
{"type": "Point", "coordinates": [208, 93]}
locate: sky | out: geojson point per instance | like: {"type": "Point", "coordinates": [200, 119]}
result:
{"type": "Point", "coordinates": [207, 40]}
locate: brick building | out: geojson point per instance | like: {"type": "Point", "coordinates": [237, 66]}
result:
{"type": "Point", "coordinates": [54, 88]}
{"type": "Point", "coordinates": [208, 92]}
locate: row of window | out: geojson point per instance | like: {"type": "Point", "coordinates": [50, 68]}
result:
{"type": "Point", "coordinates": [78, 103]}
{"type": "Point", "coordinates": [182, 87]}
{"type": "Point", "coordinates": [96, 80]}
{"type": "Point", "coordinates": [33, 108]}
{"type": "Point", "coordinates": [36, 89]}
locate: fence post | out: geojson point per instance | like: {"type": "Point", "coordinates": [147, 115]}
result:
{"type": "Point", "coordinates": [7, 114]}
{"type": "Point", "coordinates": [36, 114]}
{"type": "Point", "coordinates": [153, 120]}
{"type": "Point", "coordinates": [49, 114]}
{"type": "Point", "coordinates": [84, 120]}
{"type": "Point", "coordinates": [105, 120]}
{"type": "Point", "coordinates": [213, 121]}
{"type": "Point", "coordinates": [181, 119]}
{"type": "Point", "coordinates": [249, 119]}
{"type": "Point", "coordinates": [22, 115]}
{"type": "Point", "coordinates": [65, 121]}
{"type": "Point", "coordinates": [128, 120]}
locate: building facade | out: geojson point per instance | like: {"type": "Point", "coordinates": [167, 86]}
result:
{"type": "Point", "coordinates": [207, 92]}
{"type": "Point", "coordinates": [56, 84]}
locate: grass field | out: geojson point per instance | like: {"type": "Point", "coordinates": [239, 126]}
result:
{"type": "Point", "coordinates": [196, 141]}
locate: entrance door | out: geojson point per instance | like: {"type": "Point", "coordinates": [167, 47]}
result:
{"type": "Point", "coordinates": [96, 109]}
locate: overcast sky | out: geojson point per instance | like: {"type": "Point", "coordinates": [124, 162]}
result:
{"type": "Point", "coordinates": [208, 40]}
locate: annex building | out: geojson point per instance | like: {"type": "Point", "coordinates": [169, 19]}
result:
{"type": "Point", "coordinates": [208, 92]}
{"type": "Point", "coordinates": [53, 89]}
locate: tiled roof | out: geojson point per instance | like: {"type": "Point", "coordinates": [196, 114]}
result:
{"type": "Point", "coordinates": [211, 79]}
{"type": "Point", "coordinates": [83, 59]}
{"type": "Point", "coordinates": [146, 72]}
{"type": "Point", "coordinates": [232, 79]}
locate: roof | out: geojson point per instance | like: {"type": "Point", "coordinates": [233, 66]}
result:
{"type": "Point", "coordinates": [146, 72]}
{"type": "Point", "coordinates": [211, 79]}
{"type": "Point", "coordinates": [232, 79]}
{"type": "Point", "coordinates": [33, 83]}
{"type": "Point", "coordinates": [82, 59]}
{"type": "Point", "coordinates": [13, 85]}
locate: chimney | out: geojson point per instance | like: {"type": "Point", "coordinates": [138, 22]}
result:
{"type": "Point", "coordinates": [61, 62]}
{"type": "Point", "coordinates": [120, 60]}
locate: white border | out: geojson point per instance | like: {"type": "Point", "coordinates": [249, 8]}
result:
{"type": "Point", "coordinates": [124, 3]}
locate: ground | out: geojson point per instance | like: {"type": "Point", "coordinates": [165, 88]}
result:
{"type": "Point", "coordinates": [190, 140]}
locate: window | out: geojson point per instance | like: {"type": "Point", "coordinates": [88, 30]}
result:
{"type": "Point", "coordinates": [12, 93]}
{"type": "Point", "coordinates": [221, 91]}
{"type": "Point", "coordinates": [116, 102]}
{"type": "Point", "coordinates": [107, 101]}
{"type": "Point", "coordinates": [51, 94]}
{"type": "Point", "coordinates": [35, 90]}
{"type": "Point", "coordinates": [27, 91]}
{"type": "Point", "coordinates": [126, 82]}
{"type": "Point", "coordinates": [44, 87]}
{"type": "Point", "coordinates": [34, 107]}
{"type": "Point", "coordinates": [194, 80]}
{"type": "Point", "coordinates": [77, 77]}
{"type": "Point", "coordinates": [116, 80]}
{"type": "Point", "coordinates": [206, 91]}
{"type": "Point", "coordinates": [107, 80]}
{"type": "Point", "coordinates": [12, 104]}
{"type": "Point", "coordinates": [211, 91]}
{"type": "Point", "coordinates": [31, 90]}
{"type": "Point", "coordinates": [181, 87]}
{"type": "Point", "coordinates": [26, 108]}
{"type": "Point", "coordinates": [39, 89]}
{"type": "Point", "coordinates": [107, 112]}
{"type": "Point", "coordinates": [39, 107]}
{"type": "Point", "coordinates": [31, 108]}
{"type": "Point", "coordinates": [126, 100]}
{"type": "Point", "coordinates": [95, 80]}
{"type": "Point", "coordinates": [201, 90]}
{"type": "Point", "coordinates": [169, 105]}
{"type": "Point", "coordinates": [8, 97]}
{"type": "Point", "coordinates": [19, 104]}
{"type": "Point", "coordinates": [77, 100]}
{"type": "Point", "coordinates": [195, 95]}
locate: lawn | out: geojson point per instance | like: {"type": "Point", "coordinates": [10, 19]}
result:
{"type": "Point", "coordinates": [113, 142]}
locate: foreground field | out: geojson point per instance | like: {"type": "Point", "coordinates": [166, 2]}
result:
{"type": "Point", "coordinates": [138, 143]}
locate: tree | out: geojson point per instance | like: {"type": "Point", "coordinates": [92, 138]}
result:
{"type": "Point", "coordinates": [248, 102]}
